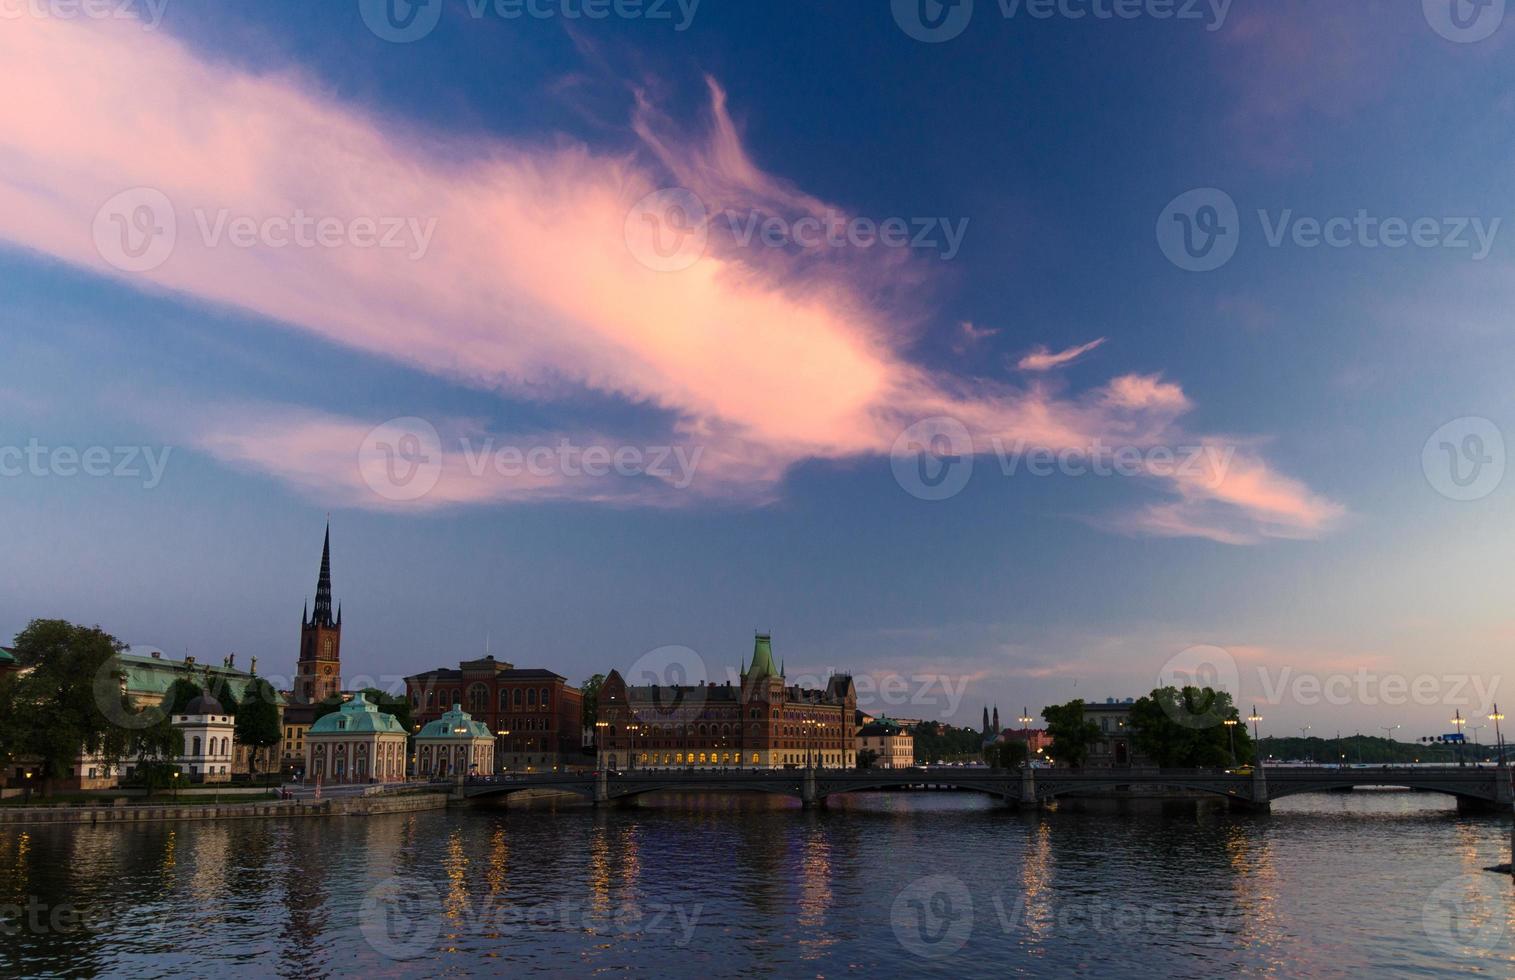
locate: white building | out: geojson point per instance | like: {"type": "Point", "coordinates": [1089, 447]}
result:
{"type": "Point", "coordinates": [208, 731]}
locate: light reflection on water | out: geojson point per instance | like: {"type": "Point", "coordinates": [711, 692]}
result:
{"type": "Point", "coordinates": [1326, 886]}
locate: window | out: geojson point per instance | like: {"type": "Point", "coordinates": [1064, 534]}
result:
{"type": "Point", "coordinates": [504, 700]}
{"type": "Point", "coordinates": [515, 697]}
{"type": "Point", "coordinates": [544, 699]}
{"type": "Point", "coordinates": [478, 698]}
{"type": "Point", "coordinates": [196, 749]}
{"type": "Point", "coordinates": [531, 697]}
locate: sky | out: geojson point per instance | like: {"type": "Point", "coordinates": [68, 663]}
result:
{"type": "Point", "coordinates": [997, 353]}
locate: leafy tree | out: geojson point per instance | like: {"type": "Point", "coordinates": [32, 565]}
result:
{"type": "Point", "coordinates": [1009, 754]}
{"type": "Point", "coordinates": [391, 704]}
{"type": "Point", "coordinates": [258, 720]}
{"type": "Point", "coordinates": [178, 696]}
{"type": "Point", "coordinates": [866, 758]}
{"type": "Point", "coordinates": [944, 743]}
{"type": "Point", "coordinates": [1186, 728]}
{"type": "Point", "coordinates": [66, 699]}
{"type": "Point", "coordinates": [590, 689]}
{"type": "Point", "coordinates": [1071, 734]}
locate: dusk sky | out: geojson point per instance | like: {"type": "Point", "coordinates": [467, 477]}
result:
{"type": "Point", "coordinates": [758, 254]}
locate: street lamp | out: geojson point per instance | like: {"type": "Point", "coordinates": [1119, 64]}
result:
{"type": "Point", "coordinates": [1458, 721]}
{"type": "Point", "coordinates": [1496, 718]}
{"type": "Point", "coordinates": [1304, 736]}
{"type": "Point", "coordinates": [175, 777]}
{"type": "Point", "coordinates": [1477, 752]}
{"type": "Point", "coordinates": [1025, 719]}
{"type": "Point", "coordinates": [1255, 719]}
{"type": "Point", "coordinates": [1230, 724]}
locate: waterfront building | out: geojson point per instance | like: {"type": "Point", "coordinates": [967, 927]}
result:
{"type": "Point", "coordinates": [892, 743]}
{"type": "Point", "coordinates": [535, 714]}
{"type": "Point", "coordinates": [454, 745]}
{"type": "Point", "coordinates": [8, 663]}
{"type": "Point", "coordinates": [357, 743]}
{"type": "Point", "coordinates": [760, 723]}
{"type": "Point", "coordinates": [208, 730]}
{"type": "Point", "coordinates": [1112, 749]}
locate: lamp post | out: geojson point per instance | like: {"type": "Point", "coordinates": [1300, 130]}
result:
{"type": "Point", "coordinates": [1303, 735]}
{"type": "Point", "coordinates": [1256, 719]}
{"type": "Point", "coordinates": [504, 733]}
{"type": "Point", "coordinates": [1230, 724]}
{"type": "Point", "coordinates": [1496, 718]}
{"type": "Point", "coordinates": [1025, 719]}
{"type": "Point", "coordinates": [174, 776]}
{"type": "Point", "coordinates": [599, 740]}
{"type": "Point", "coordinates": [28, 785]}
{"type": "Point", "coordinates": [1477, 752]}
{"type": "Point", "coordinates": [1458, 721]}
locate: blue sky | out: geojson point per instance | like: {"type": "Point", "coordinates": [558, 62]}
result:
{"type": "Point", "coordinates": [528, 314]}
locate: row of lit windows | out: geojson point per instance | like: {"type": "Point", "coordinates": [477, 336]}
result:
{"type": "Point", "coordinates": [478, 698]}
{"type": "Point", "coordinates": [724, 759]}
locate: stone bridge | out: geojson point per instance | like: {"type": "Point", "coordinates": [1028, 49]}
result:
{"type": "Point", "coordinates": [1473, 788]}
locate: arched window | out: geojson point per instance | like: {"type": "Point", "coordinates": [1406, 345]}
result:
{"type": "Point", "coordinates": [531, 697]}
{"type": "Point", "coordinates": [431, 699]}
{"type": "Point", "coordinates": [544, 699]}
{"type": "Point", "coordinates": [504, 700]}
{"type": "Point", "coordinates": [515, 697]}
{"type": "Point", "coordinates": [196, 749]}
{"type": "Point", "coordinates": [478, 698]}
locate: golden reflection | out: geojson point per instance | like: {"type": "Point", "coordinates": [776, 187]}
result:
{"type": "Point", "coordinates": [455, 866]}
{"type": "Point", "coordinates": [1036, 883]}
{"type": "Point", "coordinates": [599, 865]}
{"type": "Point", "coordinates": [170, 851]}
{"type": "Point", "coordinates": [815, 896]}
{"type": "Point", "coordinates": [210, 849]}
{"type": "Point", "coordinates": [1255, 889]}
{"type": "Point", "coordinates": [497, 876]}
{"type": "Point", "coordinates": [21, 866]}
{"type": "Point", "coordinates": [631, 863]}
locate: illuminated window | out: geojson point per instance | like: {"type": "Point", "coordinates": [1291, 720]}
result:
{"type": "Point", "coordinates": [678, 758]}
{"type": "Point", "coordinates": [754, 758]}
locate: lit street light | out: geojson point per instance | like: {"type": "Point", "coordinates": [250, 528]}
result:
{"type": "Point", "coordinates": [1458, 721]}
{"type": "Point", "coordinates": [1230, 724]}
{"type": "Point", "coordinates": [1255, 719]}
{"type": "Point", "coordinates": [1496, 718]}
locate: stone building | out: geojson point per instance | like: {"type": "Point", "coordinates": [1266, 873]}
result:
{"type": "Point", "coordinates": [536, 715]}
{"type": "Point", "coordinates": [208, 730]}
{"type": "Point", "coordinates": [318, 670]}
{"type": "Point", "coordinates": [892, 743]}
{"type": "Point", "coordinates": [1112, 749]}
{"type": "Point", "coordinates": [454, 745]}
{"type": "Point", "coordinates": [357, 743]}
{"type": "Point", "coordinates": [760, 723]}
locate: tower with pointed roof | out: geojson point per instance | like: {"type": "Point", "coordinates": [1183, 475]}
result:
{"type": "Point", "coordinates": [319, 672]}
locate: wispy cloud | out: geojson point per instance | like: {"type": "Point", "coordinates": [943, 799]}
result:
{"type": "Point", "coordinates": [529, 285]}
{"type": "Point", "coordinates": [1041, 359]}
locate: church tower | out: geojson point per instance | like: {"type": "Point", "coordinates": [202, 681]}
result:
{"type": "Point", "coordinates": [319, 673]}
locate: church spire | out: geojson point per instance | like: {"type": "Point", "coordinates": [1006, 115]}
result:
{"type": "Point", "coordinates": [323, 584]}
{"type": "Point", "coordinates": [986, 719]}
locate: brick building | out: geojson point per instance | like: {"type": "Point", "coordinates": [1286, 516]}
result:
{"type": "Point", "coordinates": [761, 723]}
{"type": "Point", "coordinates": [536, 715]}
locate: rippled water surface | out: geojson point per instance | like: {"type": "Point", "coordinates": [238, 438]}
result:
{"type": "Point", "coordinates": [1362, 884]}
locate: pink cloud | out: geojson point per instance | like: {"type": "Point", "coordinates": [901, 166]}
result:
{"type": "Point", "coordinates": [528, 282]}
{"type": "Point", "coordinates": [1041, 359]}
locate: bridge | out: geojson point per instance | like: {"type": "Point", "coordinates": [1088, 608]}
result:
{"type": "Point", "coordinates": [1474, 788]}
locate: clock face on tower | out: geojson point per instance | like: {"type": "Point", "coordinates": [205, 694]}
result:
{"type": "Point", "coordinates": [326, 670]}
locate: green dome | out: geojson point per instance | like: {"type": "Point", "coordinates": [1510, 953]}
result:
{"type": "Point", "coordinates": [358, 716]}
{"type": "Point", "coordinates": [456, 723]}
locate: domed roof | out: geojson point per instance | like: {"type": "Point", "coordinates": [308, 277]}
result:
{"type": "Point", "coordinates": [205, 704]}
{"type": "Point", "coordinates": [455, 724]}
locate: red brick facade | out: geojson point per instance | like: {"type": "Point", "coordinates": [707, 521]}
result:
{"type": "Point", "coordinates": [536, 715]}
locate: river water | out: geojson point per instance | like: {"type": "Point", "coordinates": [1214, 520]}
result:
{"type": "Point", "coordinates": [923, 884]}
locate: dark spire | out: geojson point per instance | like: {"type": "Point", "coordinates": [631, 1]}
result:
{"type": "Point", "coordinates": [305, 614]}
{"type": "Point", "coordinates": [996, 718]}
{"type": "Point", "coordinates": [322, 615]}
{"type": "Point", "coordinates": [986, 719]}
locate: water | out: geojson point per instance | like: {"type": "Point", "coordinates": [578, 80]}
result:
{"type": "Point", "coordinates": [926, 884]}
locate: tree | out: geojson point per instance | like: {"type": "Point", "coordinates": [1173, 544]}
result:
{"type": "Point", "coordinates": [1071, 734]}
{"type": "Point", "coordinates": [258, 720]}
{"type": "Point", "coordinates": [66, 699]}
{"type": "Point", "coordinates": [590, 690]}
{"type": "Point", "coordinates": [1012, 753]}
{"type": "Point", "coordinates": [866, 758]}
{"type": "Point", "coordinates": [1186, 728]}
